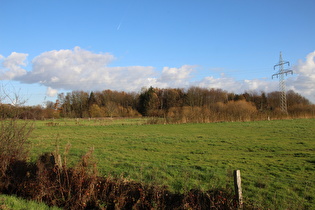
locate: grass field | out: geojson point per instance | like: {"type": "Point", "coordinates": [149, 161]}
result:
{"type": "Point", "coordinates": [276, 158]}
{"type": "Point", "coordinates": [11, 202]}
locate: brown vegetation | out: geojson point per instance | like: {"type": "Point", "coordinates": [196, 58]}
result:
{"type": "Point", "coordinates": [80, 188]}
{"type": "Point", "coordinates": [174, 105]}
{"type": "Point", "coordinates": [13, 140]}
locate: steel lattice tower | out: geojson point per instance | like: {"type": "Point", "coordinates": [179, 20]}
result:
{"type": "Point", "coordinates": [280, 75]}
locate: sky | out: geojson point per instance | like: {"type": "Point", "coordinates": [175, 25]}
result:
{"type": "Point", "coordinates": [49, 47]}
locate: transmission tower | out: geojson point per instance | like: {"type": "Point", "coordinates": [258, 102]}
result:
{"type": "Point", "coordinates": [280, 75]}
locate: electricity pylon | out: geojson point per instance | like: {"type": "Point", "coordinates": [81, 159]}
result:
{"type": "Point", "coordinates": [280, 75]}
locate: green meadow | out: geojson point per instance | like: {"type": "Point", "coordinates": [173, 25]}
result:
{"type": "Point", "coordinates": [276, 158]}
{"type": "Point", "coordinates": [11, 202]}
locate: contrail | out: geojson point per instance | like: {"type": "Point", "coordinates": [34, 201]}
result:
{"type": "Point", "coordinates": [118, 27]}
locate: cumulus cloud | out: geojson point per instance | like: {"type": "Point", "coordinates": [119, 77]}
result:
{"type": "Point", "coordinates": [11, 66]}
{"type": "Point", "coordinates": [238, 86]}
{"type": "Point", "coordinates": [68, 69]}
{"type": "Point", "coordinates": [79, 69]}
{"type": "Point", "coordinates": [304, 83]}
{"type": "Point", "coordinates": [176, 76]}
{"type": "Point", "coordinates": [223, 82]}
{"type": "Point", "coordinates": [260, 85]}
{"type": "Point", "coordinates": [51, 92]}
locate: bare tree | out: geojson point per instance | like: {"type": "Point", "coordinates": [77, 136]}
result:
{"type": "Point", "coordinates": [111, 107]}
{"type": "Point", "coordinates": [13, 134]}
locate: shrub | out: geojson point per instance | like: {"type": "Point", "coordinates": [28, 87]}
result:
{"type": "Point", "coordinates": [13, 140]}
{"type": "Point", "coordinates": [240, 110]}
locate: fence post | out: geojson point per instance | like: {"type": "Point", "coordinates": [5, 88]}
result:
{"type": "Point", "coordinates": [238, 188]}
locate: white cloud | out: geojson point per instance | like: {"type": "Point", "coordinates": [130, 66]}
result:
{"type": "Point", "coordinates": [66, 68]}
{"type": "Point", "coordinates": [12, 66]}
{"type": "Point", "coordinates": [304, 83]}
{"type": "Point", "coordinates": [223, 82]}
{"type": "Point", "coordinates": [51, 92]}
{"type": "Point", "coordinates": [260, 85]}
{"type": "Point", "coordinates": [79, 69]}
{"type": "Point", "coordinates": [176, 77]}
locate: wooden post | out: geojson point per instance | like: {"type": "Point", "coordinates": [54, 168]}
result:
{"type": "Point", "coordinates": [238, 188]}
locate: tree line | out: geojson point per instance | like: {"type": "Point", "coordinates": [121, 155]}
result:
{"type": "Point", "coordinates": [172, 105]}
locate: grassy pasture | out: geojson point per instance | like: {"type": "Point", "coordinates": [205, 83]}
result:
{"type": "Point", "coordinates": [276, 158]}
{"type": "Point", "coordinates": [12, 202]}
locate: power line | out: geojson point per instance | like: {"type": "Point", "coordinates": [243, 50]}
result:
{"type": "Point", "coordinates": [280, 75]}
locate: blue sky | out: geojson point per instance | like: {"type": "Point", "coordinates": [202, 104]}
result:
{"type": "Point", "coordinates": [54, 46]}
